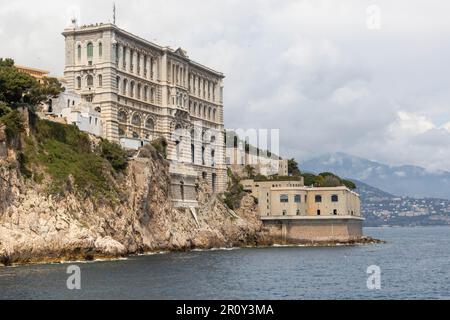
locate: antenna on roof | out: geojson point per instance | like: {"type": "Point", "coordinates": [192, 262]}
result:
{"type": "Point", "coordinates": [114, 13]}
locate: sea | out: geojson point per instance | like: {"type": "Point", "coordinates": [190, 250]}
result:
{"type": "Point", "coordinates": [414, 263]}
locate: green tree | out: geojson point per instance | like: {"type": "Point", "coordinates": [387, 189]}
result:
{"type": "Point", "coordinates": [293, 169]}
{"type": "Point", "coordinates": [250, 171]}
{"type": "Point", "coordinates": [17, 87]}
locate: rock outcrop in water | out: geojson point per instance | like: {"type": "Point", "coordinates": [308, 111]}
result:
{"type": "Point", "coordinates": [38, 227]}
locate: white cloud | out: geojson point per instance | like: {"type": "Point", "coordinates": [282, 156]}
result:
{"type": "Point", "coordinates": [310, 68]}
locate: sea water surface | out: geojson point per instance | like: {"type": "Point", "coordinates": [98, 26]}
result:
{"type": "Point", "coordinates": [414, 263]}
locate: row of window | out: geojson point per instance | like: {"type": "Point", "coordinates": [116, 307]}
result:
{"type": "Point", "coordinates": [136, 120]}
{"type": "Point", "coordinates": [90, 51]}
{"type": "Point", "coordinates": [90, 81]}
{"type": "Point", "coordinates": [298, 212]}
{"type": "Point", "coordinates": [284, 198]}
{"type": "Point", "coordinates": [138, 91]}
{"type": "Point", "coordinates": [202, 88]}
{"type": "Point", "coordinates": [202, 111]}
{"type": "Point", "coordinates": [129, 56]}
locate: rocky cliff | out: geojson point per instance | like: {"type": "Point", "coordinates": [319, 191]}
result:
{"type": "Point", "coordinates": [36, 226]}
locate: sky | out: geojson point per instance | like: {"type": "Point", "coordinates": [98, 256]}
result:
{"type": "Point", "coordinates": [369, 78]}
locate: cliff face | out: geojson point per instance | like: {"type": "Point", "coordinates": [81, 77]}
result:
{"type": "Point", "coordinates": [36, 227]}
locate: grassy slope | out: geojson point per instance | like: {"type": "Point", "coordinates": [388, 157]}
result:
{"type": "Point", "coordinates": [65, 154]}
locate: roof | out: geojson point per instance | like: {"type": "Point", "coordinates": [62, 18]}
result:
{"type": "Point", "coordinates": [31, 69]}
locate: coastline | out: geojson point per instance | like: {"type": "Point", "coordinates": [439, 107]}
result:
{"type": "Point", "coordinates": [101, 257]}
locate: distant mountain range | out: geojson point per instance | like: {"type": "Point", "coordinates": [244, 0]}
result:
{"type": "Point", "coordinates": [382, 208]}
{"type": "Point", "coordinates": [406, 181]}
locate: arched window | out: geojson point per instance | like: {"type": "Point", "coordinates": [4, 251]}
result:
{"type": "Point", "coordinates": [203, 155]}
{"type": "Point", "coordinates": [132, 89]}
{"type": "Point", "coordinates": [90, 80]}
{"type": "Point", "coordinates": [122, 116]}
{"type": "Point", "coordinates": [124, 86]}
{"type": "Point", "coordinates": [192, 153]}
{"type": "Point", "coordinates": [284, 198]}
{"type": "Point", "coordinates": [90, 50]}
{"type": "Point", "coordinates": [131, 59]}
{"type": "Point", "coordinates": [117, 83]}
{"type": "Point", "coordinates": [138, 63]}
{"type": "Point", "coordinates": [209, 113]}
{"type": "Point", "coordinates": [136, 120]}
{"type": "Point", "coordinates": [79, 82]}
{"type": "Point", "coordinates": [213, 181]}
{"type": "Point", "coordinates": [100, 80]}
{"type": "Point", "coordinates": [138, 92]}
{"type": "Point", "coordinates": [152, 95]}
{"type": "Point", "coordinates": [318, 198]}
{"type": "Point", "coordinates": [146, 93]}
{"type": "Point", "coordinates": [213, 139]}
{"type": "Point", "coordinates": [213, 154]}
{"type": "Point", "coordinates": [149, 124]}
{"type": "Point", "coordinates": [214, 115]}
{"type": "Point", "coordinates": [182, 190]}
{"type": "Point", "coordinates": [100, 49]}
{"type": "Point", "coordinates": [79, 52]}
{"type": "Point", "coordinates": [121, 133]}
{"type": "Point", "coordinates": [124, 57]}
{"type": "Point", "coordinates": [334, 198]}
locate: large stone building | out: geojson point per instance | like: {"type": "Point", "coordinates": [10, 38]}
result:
{"type": "Point", "coordinates": [294, 212]}
{"type": "Point", "coordinates": [143, 91]}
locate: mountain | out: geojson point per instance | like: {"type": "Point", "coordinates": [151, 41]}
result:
{"type": "Point", "coordinates": [406, 180]}
{"type": "Point", "coordinates": [382, 208]}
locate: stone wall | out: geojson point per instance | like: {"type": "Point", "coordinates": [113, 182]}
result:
{"type": "Point", "coordinates": [323, 230]}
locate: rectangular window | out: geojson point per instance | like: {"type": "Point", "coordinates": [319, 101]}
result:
{"type": "Point", "coordinates": [297, 198]}
{"type": "Point", "coordinates": [284, 198]}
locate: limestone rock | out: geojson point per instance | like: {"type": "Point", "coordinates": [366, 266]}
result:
{"type": "Point", "coordinates": [35, 227]}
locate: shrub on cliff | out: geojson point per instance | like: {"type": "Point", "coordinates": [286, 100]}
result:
{"type": "Point", "coordinates": [18, 88]}
{"type": "Point", "coordinates": [160, 145]}
{"type": "Point", "coordinates": [235, 192]}
{"type": "Point", "coordinates": [115, 154]}
{"type": "Point", "coordinates": [65, 155]}
{"type": "Point", "coordinates": [13, 122]}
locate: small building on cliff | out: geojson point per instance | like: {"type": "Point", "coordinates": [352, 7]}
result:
{"type": "Point", "coordinates": [294, 212]}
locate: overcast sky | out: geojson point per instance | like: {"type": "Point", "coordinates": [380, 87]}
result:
{"type": "Point", "coordinates": [313, 69]}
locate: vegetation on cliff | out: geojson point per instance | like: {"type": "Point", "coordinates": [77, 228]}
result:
{"type": "Point", "coordinates": [69, 158]}
{"type": "Point", "coordinates": [235, 191]}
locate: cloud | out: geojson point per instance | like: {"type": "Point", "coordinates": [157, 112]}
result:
{"type": "Point", "coordinates": [309, 68]}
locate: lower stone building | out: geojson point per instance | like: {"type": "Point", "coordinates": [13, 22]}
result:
{"type": "Point", "coordinates": [296, 213]}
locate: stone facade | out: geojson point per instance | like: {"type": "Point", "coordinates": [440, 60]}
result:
{"type": "Point", "coordinates": [316, 230]}
{"type": "Point", "coordinates": [144, 91]}
{"type": "Point", "coordinates": [295, 212]}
